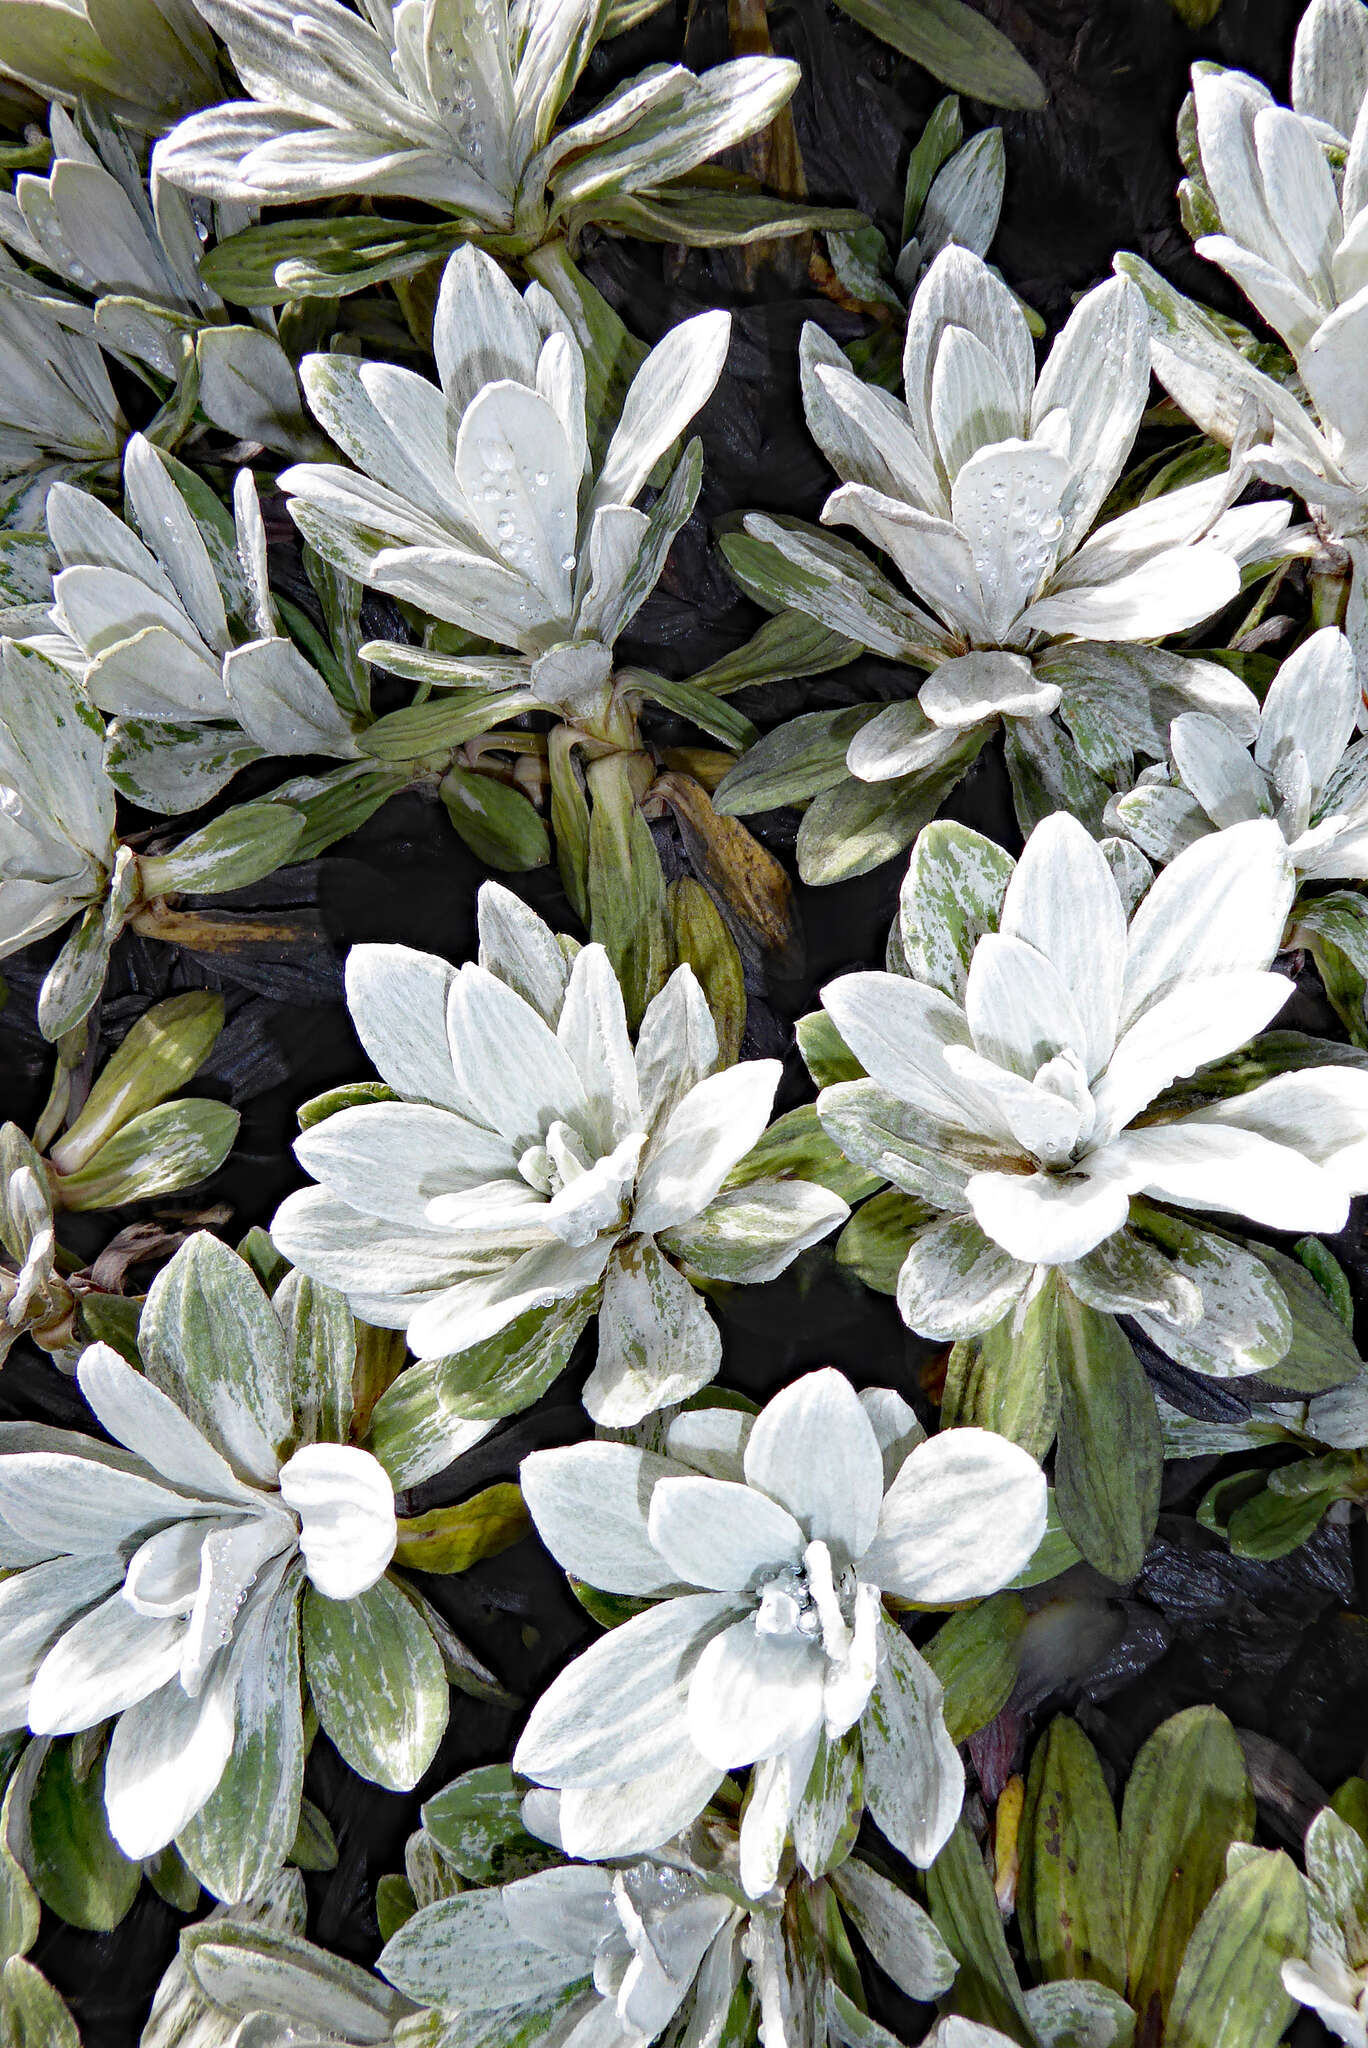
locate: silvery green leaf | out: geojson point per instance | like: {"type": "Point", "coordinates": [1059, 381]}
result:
{"type": "Point", "coordinates": [857, 826]}
{"type": "Point", "coordinates": [388, 1736]}
{"type": "Point", "coordinates": [72, 984]}
{"type": "Point", "coordinates": [709, 114]}
{"type": "Point", "coordinates": [244, 1969]}
{"type": "Point", "coordinates": [174, 768]}
{"type": "Point", "coordinates": [152, 61]}
{"type": "Point", "coordinates": [282, 703]}
{"type": "Point", "coordinates": [159, 1151]}
{"type": "Point", "coordinates": [1076, 2013]}
{"type": "Point", "coordinates": [464, 1954]}
{"type": "Point", "coordinates": [437, 1410]}
{"type": "Point", "coordinates": [212, 1344]}
{"type": "Point", "coordinates": [31, 2008]}
{"type": "Point", "coordinates": [657, 1342]}
{"type": "Point", "coordinates": [621, 1710]}
{"type": "Point", "coordinates": [899, 1934]}
{"type": "Point", "coordinates": [754, 1233]}
{"type": "Point", "coordinates": [795, 762]}
{"type": "Point", "coordinates": [965, 198]}
{"type": "Point", "coordinates": [590, 1502]}
{"type": "Point", "coordinates": [914, 1780]}
{"type": "Point", "coordinates": [239, 847]}
{"type": "Point", "coordinates": [180, 2016]}
{"type": "Point", "coordinates": [249, 389]}
{"type": "Point", "coordinates": [950, 896]}
{"type": "Point", "coordinates": [833, 583]}
{"type": "Point", "coordinates": [955, 1282]}
{"type": "Point", "coordinates": [244, 1830]}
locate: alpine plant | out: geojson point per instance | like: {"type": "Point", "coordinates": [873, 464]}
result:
{"type": "Point", "coordinates": [59, 416]}
{"type": "Point", "coordinates": [169, 623]}
{"type": "Point", "coordinates": [1333, 1978]}
{"type": "Point", "coordinates": [150, 61]}
{"type": "Point", "coordinates": [60, 854]}
{"type": "Point", "coordinates": [93, 222]}
{"type": "Point", "coordinates": [630, 1950]}
{"type": "Point", "coordinates": [1278, 199]}
{"type": "Point", "coordinates": [480, 502]}
{"type": "Point", "coordinates": [459, 107]}
{"type": "Point", "coordinates": [531, 1167]}
{"type": "Point", "coordinates": [1021, 1067]}
{"type": "Point", "coordinates": [983, 490]}
{"type": "Point", "coordinates": [1304, 772]}
{"type": "Point", "coordinates": [766, 1545]}
{"type": "Point", "coordinates": [183, 1582]}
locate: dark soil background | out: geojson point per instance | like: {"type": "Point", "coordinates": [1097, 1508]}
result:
{"type": "Point", "coordinates": [1282, 1648]}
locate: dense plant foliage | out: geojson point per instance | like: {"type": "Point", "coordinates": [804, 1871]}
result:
{"type": "Point", "coordinates": [341, 486]}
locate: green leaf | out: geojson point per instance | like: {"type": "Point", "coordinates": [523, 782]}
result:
{"type": "Point", "coordinates": [1187, 1799]}
{"type": "Point", "coordinates": [795, 1147]}
{"type": "Point", "coordinates": [1230, 1991]}
{"type": "Point", "coordinates": [951, 896]}
{"type": "Point", "coordinates": [19, 1908]}
{"type": "Point", "coordinates": [320, 259]}
{"type": "Point", "coordinates": [1009, 1379]}
{"type": "Point", "coordinates": [627, 903]}
{"type": "Point", "coordinates": [955, 45]}
{"type": "Point", "coordinates": [207, 1324]}
{"type": "Point", "coordinates": [799, 760]}
{"type": "Point", "coordinates": [1272, 1524]}
{"type": "Point", "coordinates": [334, 805]}
{"type": "Point", "coordinates": [702, 219]}
{"type": "Point", "coordinates": [172, 1880]}
{"type": "Point", "coordinates": [411, 1425]}
{"type": "Point", "coordinates": [377, 1680]}
{"type": "Point", "coordinates": [476, 1823]}
{"type": "Point", "coordinates": [315, 1845]}
{"type": "Point", "coordinates": [1110, 1457]}
{"type": "Point", "coordinates": [937, 143]}
{"type": "Point", "coordinates": [1069, 1897]}
{"type": "Point", "coordinates": [441, 723]}
{"type": "Point", "coordinates": [787, 646]}
{"type": "Point", "coordinates": [161, 1052]}
{"type": "Point", "coordinates": [711, 714]}
{"type": "Point", "coordinates": [32, 2015]}
{"type": "Point", "coordinates": [965, 1910]}
{"type": "Point", "coordinates": [1322, 1353]}
{"type": "Point", "coordinates": [874, 1243]}
{"type": "Point", "coordinates": [1329, 1275]}
{"type": "Point", "coordinates": [395, 1904]}
{"type": "Point", "coordinates": [320, 1337]}
{"type": "Point", "coordinates": [860, 825]}
{"type": "Point", "coordinates": [113, 1319]}
{"type": "Point", "coordinates": [248, 1824]}
{"type": "Point", "coordinates": [77, 1868]}
{"type": "Point", "coordinates": [451, 1539]}
{"type": "Point", "coordinates": [240, 847]}
{"type": "Point", "coordinates": [174, 1146]}
{"type": "Point", "coordinates": [975, 1656]}
{"type": "Point", "coordinates": [499, 824]}
{"type": "Point", "coordinates": [1056, 1552]}
{"type": "Point", "coordinates": [700, 939]}
{"type": "Point", "coordinates": [349, 1096]}
{"type": "Point", "coordinates": [609, 1610]}
{"type": "Point", "coordinates": [1350, 1802]}
{"type": "Point", "coordinates": [826, 1055]}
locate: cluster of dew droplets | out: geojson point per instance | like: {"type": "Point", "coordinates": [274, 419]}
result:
{"type": "Point", "coordinates": [455, 97]}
